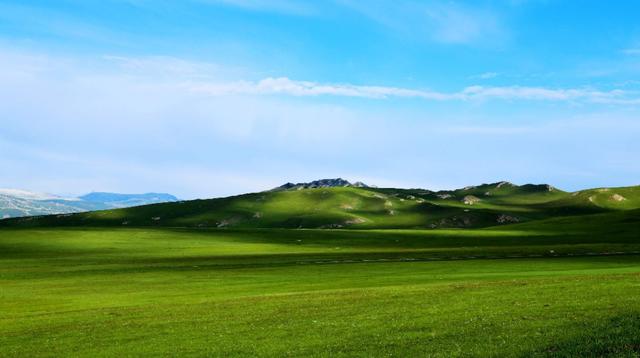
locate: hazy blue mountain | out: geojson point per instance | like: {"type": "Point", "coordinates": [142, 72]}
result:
{"type": "Point", "coordinates": [115, 200]}
{"type": "Point", "coordinates": [18, 203]}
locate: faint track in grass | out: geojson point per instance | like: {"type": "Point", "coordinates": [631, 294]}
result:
{"type": "Point", "coordinates": [476, 257]}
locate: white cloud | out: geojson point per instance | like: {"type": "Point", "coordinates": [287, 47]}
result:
{"type": "Point", "coordinates": [174, 77]}
{"type": "Point", "coordinates": [286, 86]}
{"type": "Point", "coordinates": [540, 93]}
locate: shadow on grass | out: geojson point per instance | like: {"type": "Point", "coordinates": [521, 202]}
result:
{"type": "Point", "coordinates": [116, 264]}
{"type": "Point", "coordinates": [157, 245]}
{"type": "Point", "coordinates": [413, 239]}
{"type": "Point", "coordinates": [616, 337]}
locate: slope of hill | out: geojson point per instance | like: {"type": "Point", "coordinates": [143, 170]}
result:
{"type": "Point", "coordinates": [346, 205]}
{"type": "Point", "coordinates": [622, 198]}
{"type": "Point", "coordinates": [19, 203]}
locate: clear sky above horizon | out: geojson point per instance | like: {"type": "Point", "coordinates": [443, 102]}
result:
{"type": "Point", "coordinates": [203, 98]}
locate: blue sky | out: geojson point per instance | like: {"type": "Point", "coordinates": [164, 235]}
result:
{"type": "Point", "coordinates": [204, 98]}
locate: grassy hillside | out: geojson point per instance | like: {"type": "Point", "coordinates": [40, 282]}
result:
{"type": "Point", "coordinates": [625, 198]}
{"type": "Point", "coordinates": [361, 208]}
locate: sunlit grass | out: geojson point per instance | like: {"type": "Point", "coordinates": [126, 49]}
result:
{"type": "Point", "coordinates": [105, 292]}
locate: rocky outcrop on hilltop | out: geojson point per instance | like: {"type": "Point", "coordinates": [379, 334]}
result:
{"type": "Point", "coordinates": [322, 183]}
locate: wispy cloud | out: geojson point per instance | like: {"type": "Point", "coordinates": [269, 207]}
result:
{"type": "Point", "coordinates": [486, 76]}
{"type": "Point", "coordinates": [449, 23]}
{"type": "Point", "coordinates": [286, 86]}
{"type": "Point", "coordinates": [183, 76]}
{"type": "Point", "coordinates": [57, 23]}
{"type": "Point", "coordinates": [632, 51]}
{"type": "Point", "coordinates": [166, 67]}
{"type": "Point", "coordinates": [291, 7]}
{"type": "Point", "coordinates": [456, 24]}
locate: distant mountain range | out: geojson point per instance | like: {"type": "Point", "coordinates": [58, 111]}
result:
{"type": "Point", "coordinates": [19, 203]}
{"type": "Point", "coordinates": [340, 204]}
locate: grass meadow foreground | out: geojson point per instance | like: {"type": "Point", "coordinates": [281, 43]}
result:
{"type": "Point", "coordinates": [512, 291]}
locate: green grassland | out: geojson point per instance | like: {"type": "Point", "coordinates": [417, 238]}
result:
{"type": "Point", "coordinates": [563, 281]}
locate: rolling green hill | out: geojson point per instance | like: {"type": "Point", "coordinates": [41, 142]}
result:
{"type": "Point", "coordinates": [496, 270]}
{"type": "Point", "coordinates": [360, 207]}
